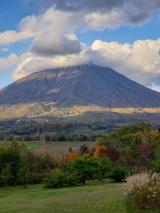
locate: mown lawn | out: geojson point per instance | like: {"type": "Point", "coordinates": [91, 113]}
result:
{"type": "Point", "coordinates": [101, 198]}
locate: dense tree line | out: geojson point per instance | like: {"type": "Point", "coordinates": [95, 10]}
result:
{"type": "Point", "coordinates": [49, 131]}
{"type": "Point", "coordinates": [20, 166]}
{"type": "Point", "coordinates": [124, 151]}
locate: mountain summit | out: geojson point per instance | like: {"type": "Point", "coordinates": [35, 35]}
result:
{"type": "Point", "coordinates": [79, 85]}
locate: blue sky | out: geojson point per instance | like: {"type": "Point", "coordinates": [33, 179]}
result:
{"type": "Point", "coordinates": [129, 31]}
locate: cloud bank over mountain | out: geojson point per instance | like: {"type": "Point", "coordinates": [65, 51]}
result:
{"type": "Point", "coordinates": [139, 61]}
{"type": "Point", "coordinates": [53, 34]}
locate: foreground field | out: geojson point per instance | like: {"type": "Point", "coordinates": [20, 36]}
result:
{"type": "Point", "coordinates": [102, 198]}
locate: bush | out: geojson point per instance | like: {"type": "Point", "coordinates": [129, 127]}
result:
{"type": "Point", "coordinates": [105, 166]}
{"type": "Point", "coordinates": [85, 167]}
{"type": "Point", "coordinates": [78, 171]}
{"type": "Point", "coordinates": [72, 180]}
{"type": "Point", "coordinates": [143, 191]}
{"type": "Point", "coordinates": [118, 173]}
{"type": "Point", "coordinates": [62, 178]}
{"type": "Point", "coordinates": [57, 179]}
{"type": "Point", "coordinates": [5, 176]}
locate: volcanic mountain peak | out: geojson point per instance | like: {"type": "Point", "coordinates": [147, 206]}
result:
{"type": "Point", "coordinates": [77, 86]}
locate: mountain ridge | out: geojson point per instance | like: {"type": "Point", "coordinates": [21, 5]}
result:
{"type": "Point", "coordinates": [79, 85]}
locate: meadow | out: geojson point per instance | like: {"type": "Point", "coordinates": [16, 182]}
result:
{"type": "Point", "coordinates": [101, 197]}
{"type": "Point", "coordinates": [56, 149]}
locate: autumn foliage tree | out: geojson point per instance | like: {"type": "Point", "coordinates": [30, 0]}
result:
{"type": "Point", "coordinates": [100, 150]}
{"type": "Point", "coordinates": [113, 153]}
{"type": "Point", "coordinates": [72, 156]}
{"type": "Point", "coordinates": [146, 150]}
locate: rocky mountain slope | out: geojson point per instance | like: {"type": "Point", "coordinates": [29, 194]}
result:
{"type": "Point", "coordinates": [79, 86]}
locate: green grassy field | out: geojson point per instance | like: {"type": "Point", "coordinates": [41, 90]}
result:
{"type": "Point", "coordinates": [93, 198]}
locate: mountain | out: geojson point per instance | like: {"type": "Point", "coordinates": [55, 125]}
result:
{"type": "Point", "coordinates": [77, 86]}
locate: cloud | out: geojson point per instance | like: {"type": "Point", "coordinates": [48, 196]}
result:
{"type": "Point", "coordinates": [139, 61]}
{"type": "Point", "coordinates": [36, 5]}
{"type": "Point", "coordinates": [9, 37]}
{"type": "Point", "coordinates": [88, 5]}
{"type": "Point", "coordinates": [12, 60]}
{"type": "Point", "coordinates": [51, 44]}
{"type": "Point", "coordinates": [36, 63]}
{"type": "Point", "coordinates": [68, 16]}
{"type": "Point", "coordinates": [154, 86]}
{"type": "Point", "coordinates": [54, 42]}
{"type": "Point", "coordinates": [7, 62]}
{"type": "Point", "coordinates": [52, 20]}
{"type": "Point", "coordinates": [123, 12]}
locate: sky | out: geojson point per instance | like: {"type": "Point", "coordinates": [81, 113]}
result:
{"type": "Point", "coordinates": [44, 34]}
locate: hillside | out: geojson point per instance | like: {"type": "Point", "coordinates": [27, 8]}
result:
{"type": "Point", "coordinates": [77, 86]}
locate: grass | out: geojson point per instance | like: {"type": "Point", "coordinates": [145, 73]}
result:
{"type": "Point", "coordinates": [29, 145]}
{"type": "Point", "coordinates": [56, 149]}
{"type": "Point", "coordinates": [52, 147]}
{"type": "Point", "coordinates": [93, 198]}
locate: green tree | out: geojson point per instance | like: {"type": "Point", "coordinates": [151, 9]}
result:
{"type": "Point", "coordinates": [5, 176]}
{"type": "Point", "coordinates": [85, 168]}
{"type": "Point", "coordinates": [23, 172]}
{"type": "Point", "coordinates": [84, 149]}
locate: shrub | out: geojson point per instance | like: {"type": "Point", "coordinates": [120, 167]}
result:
{"type": "Point", "coordinates": [143, 191]}
{"type": "Point", "coordinates": [5, 176]}
{"type": "Point", "coordinates": [85, 168]}
{"type": "Point", "coordinates": [23, 171]}
{"type": "Point", "coordinates": [72, 180]}
{"type": "Point", "coordinates": [36, 177]}
{"type": "Point", "coordinates": [118, 173]}
{"type": "Point", "coordinates": [105, 166]}
{"type": "Point", "coordinates": [57, 179]}
{"type": "Point", "coordinates": [62, 178]}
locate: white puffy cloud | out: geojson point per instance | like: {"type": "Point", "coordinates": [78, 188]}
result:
{"type": "Point", "coordinates": [9, 37]}
{"type": "Point", "coordinates": [100, 21]}
{"type": "Point", "coordinates": [36, 63]}
{"type": "Point", "coordinates": [68, 16]}
{"type": "Point", "coordinates": [59, 22]}
{"type": "Point", "coordinates": [139, 61]}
